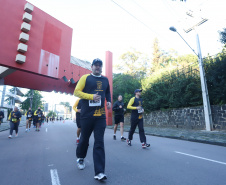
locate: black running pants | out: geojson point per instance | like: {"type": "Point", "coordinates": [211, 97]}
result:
{"type": "Point", "coordinates": [97, 126]}
{"type": "Point", "coordinates": [134, 123]}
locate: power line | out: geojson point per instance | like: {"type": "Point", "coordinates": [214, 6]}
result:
{"type": "Point", "coordinates": [134, 17]}
{"type": "Point", "coordinates": [140, 21]}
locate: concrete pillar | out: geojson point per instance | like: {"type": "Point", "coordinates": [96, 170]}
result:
{"type": "Point", "coordinates": [109, 75]}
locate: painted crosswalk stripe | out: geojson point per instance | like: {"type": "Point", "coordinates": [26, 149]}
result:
{"type": "Point", "coordinates": [54, 177]}
{"type": "Point", "coordinates": [201, 158]}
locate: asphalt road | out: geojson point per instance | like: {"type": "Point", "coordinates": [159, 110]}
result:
{"type": "Point", "coordinates": [48, 158]}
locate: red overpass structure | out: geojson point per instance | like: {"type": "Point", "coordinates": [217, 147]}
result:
{"type": "Point", "coordinates": [35, 50]}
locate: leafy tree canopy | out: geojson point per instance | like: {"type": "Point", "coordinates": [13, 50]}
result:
{"type": "Point", "coordinates": [36, 100]}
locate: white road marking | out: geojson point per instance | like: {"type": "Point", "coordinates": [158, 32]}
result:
{"type": "Point", "coordinates": [50, 165]}
{"type": "Point", "coordinates": [54, 177]}
{"type": "Point", "coordinates": [201, 158]}
{"type": "Point", "coordinates": [46, 130]}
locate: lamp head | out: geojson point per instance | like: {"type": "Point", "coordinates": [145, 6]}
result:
{"type": "Point", "coordinates": [173, 29]}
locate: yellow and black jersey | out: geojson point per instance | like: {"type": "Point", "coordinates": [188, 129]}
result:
{"type": "Point", "coordinates": [133, 104]}
{"type": "Point", "coordinates": [29, 115]}
{"type": "Point", "coordinates": [14, 116]}
{"type": "Point", "coordinates": [39, 114]}
{"type": "Point", "coordinates": [87, 86]}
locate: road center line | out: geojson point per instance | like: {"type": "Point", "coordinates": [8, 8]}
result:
{"type": "Point", "coordinates": [46, 130]}
{"type": "Point", "coordinates": [54, 177]}
{"type": "Point", "coordinates": [201, 158]}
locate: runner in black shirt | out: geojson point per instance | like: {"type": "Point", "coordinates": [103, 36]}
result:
{"type": "Point", "coordinates": [118, 108]}
{"type": "Point", "coordinates": [29, 117]}
{"type": "Point", "coordinates": [93, 89]}
{"type": "Point", "coordinates": [1, 117]}
{"type": "Point", "coordinates": [14, 118]}
{"type": "Point", "coordinates": [39, 115]}
{"type": "Point", "coordinates": [135, 104]}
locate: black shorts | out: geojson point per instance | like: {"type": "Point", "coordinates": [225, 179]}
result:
{"type": "Point", "coordinates": [119, 119]}
{"type": "Point", "coordinates": [78, 120]}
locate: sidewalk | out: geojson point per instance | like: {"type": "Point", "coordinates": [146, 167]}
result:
{"type": "Point", "coordinates": [5, 126]}
{"type": "Point", "coordinates": [213, 137]}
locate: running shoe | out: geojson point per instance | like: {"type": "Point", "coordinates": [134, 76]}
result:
{"type": "Point", "coordinates": [80, 163]}
{"type": "Point", "coordinates": [10, 136]}
{"type": "Point", "coordinates": [26, 130]}
{"type": "Point", "coordinates": [77, 141]}
{"type": "Point", "coordinates": [100, 177]}
{"type": "Point", "coordinates": [114, 137]}
{"type": "Point", "coordinates": [129, 142]}
{"type": "Point", "coordinates": [123, 139]}
{"type": "Point", "coordinates": [144, 145]}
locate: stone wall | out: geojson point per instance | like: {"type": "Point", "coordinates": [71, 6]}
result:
{"type": "Point", "coordinates": [187, 118]}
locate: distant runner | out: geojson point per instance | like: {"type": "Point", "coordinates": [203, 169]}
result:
{"type": "Point", "coordinates": [39, 114]}
{"type": "Point", "coordinates": [135, 104]}
{"type": "Point", "coordinates": [29, 117]}
{"type": "Point", "coordinates": [118, 108]}
{"type": "Point", "coordinates": [1, 117]}
{"type": "Point", "coordinates": [14, 118]}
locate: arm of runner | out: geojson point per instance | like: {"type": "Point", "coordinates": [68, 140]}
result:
{"type": "Point", "coordinates": [9, 116]}
{"type": "Point", "coordinates": [35, 114]}
{"type": "Point", "coordinates": [108, 94]}
{"type": "Point", "coordinates": [79, 88]}
{"type": "Point", "coordinates": [108, 97]}
{"type": "Point", "coordinates": [26, 113]}
{"type": "Point", "coordinates": [131, 101]}
{"type": "Point", "coordinates": [75, 105]}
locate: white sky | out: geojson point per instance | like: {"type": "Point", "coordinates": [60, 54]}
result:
{"type": "Point", "coordinates": [100, 25]}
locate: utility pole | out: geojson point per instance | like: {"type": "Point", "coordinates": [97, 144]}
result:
{"type": "Point", "coordinates": [205, 94]}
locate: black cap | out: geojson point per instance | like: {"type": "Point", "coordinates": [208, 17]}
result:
{"type": "Point", "coordinates": [137, 90]}
{"type": "Point", "coordinates": [97, 60]}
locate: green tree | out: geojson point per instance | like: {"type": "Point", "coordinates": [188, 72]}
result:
{"type": "Point", "coordinates": [125, 84]}
{"type": "Point", "coordinates": [156, 59]}
{"type": "Point", "coordinates": [66, 106]}
{"type": "Point", "coordinates": [223, 36]}
{"type": "Point", "coordinates": [36, 100]}
{"type": "Point", "coordinates": [133, 63]}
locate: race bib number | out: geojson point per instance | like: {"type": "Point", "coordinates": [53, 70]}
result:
{"type": "Point", "coordinates": [140, 111]}
{"type": "Point", "coordinates": [93, 103]}
{"type": "Point", "coordinates": [39, 115]}
{"type": "Point", "coordinates": [14, 120]}
{"type": "Point", "coordinates": [29, 116]}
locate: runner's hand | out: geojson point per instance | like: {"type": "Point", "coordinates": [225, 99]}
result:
{"type": "Point", "coordinates": [96, 97]}
{"type": "Point", "coordinates": [108, 105]}
{"type": "Point", "coordinates": [79, 110]}
{"type": "Point", "coordinates": [120, 106]}
{"type": "Point", "coordinates": [138, 108]}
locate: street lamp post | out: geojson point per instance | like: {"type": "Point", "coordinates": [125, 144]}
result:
{"type": "Point", "coordinates": [205, 95]}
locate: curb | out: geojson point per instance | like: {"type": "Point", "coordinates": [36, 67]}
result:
{"type": "Point", "coordinates": [184, 139]}
{"type": "Point", "coordinates": [191, 140]}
